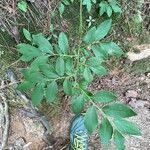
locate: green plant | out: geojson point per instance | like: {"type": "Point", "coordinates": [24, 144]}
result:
{"type": "Point", "coordinates": [52, 66]}
{"type": "Point", "coordinates": [109, 7]}
{"type": "Point", "coordinates": [105, 6]}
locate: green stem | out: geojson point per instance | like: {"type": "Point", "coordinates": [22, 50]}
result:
{"type": "Point", "coordinates": [60, 78]}
{"type": "Point", "coordinates": [81, 19]}
{"type": "Point", "coordinates": [80, 40]}
{"type": "Point", "coordinates": [62, 55]}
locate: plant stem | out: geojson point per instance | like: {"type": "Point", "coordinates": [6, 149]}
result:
{"type": "Point", "coordinates": [80, 39]}
{"type": "Point", "coordinates": [81, 19]}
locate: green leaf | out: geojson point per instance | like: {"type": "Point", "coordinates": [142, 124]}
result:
{"type": "Point", "coordinates": [127, 127]}
{"type": "Point", "coordinates": [27, 34]}
{"type": "Point", "coordinates": [60, 66]}
{"type": "Point", "coordinates": [37, 94]}
{"type": "Point", "coordinates": [116, 8]}
{"type": "Point", "coordinates": [42, 43]}
{"type": "Point", "coordinates": [94, 61]}
{"type": "Point", "coordinates": [63, 42]}
{"type": "Point", "coordinates": [33, 76]}
{"type": "Point", "coordinates": [99, 70]}
{"type": "Point", "coordinates": [69, 65]}
{"type": "Point", "coordinates": [109, 11]}
{"type": "Point", "coordinates": [48, 71]}
{"type": "Point", "coordinates": [119, 140]}
{"type": "Point", "coordinates": [29, 52]}
{"type": "Point", "coordinates": [112, 48]}
{"type": "Point", "coordinates": [25, 85]}
{"type": "Point", "coordinates": [99, 52]}
{"type": "Point", "coordinates": [90, 36]}
{"type": "Point", "coordinates": [39, 61]}
{"type": "Point", "coordinates": [87, 75]}
{"type": "Point", "coordinates": [67, 86]}
{"type": "Point", "coordinates": [66, 2]}
{"type": "Point", "coordinates": [22, 5]}
{"type": "Point", "coordinates": [103, 5]}
{"type": "Point", "coordinates": [61, 8]}
{"type": "Point", "coordinates": [104, 96]}
{"type": "Point", "coordinates": [118, 110]}
{"type": "Point", "coordinates": [51, 91]}
{"type": "Point", "coordinates": [105, 132]}
{"type": "Point", "coordinates": [103, 29]}
{"type": "Point", "coordinates": [88, 4]}
{"type": "Point", "coordinates": [91, 119]}
{"type": "Point", "coordinates": [77, 104]}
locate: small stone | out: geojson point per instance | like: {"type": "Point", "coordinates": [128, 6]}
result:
{"type": "Point", "coordinates": [131, 94]}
